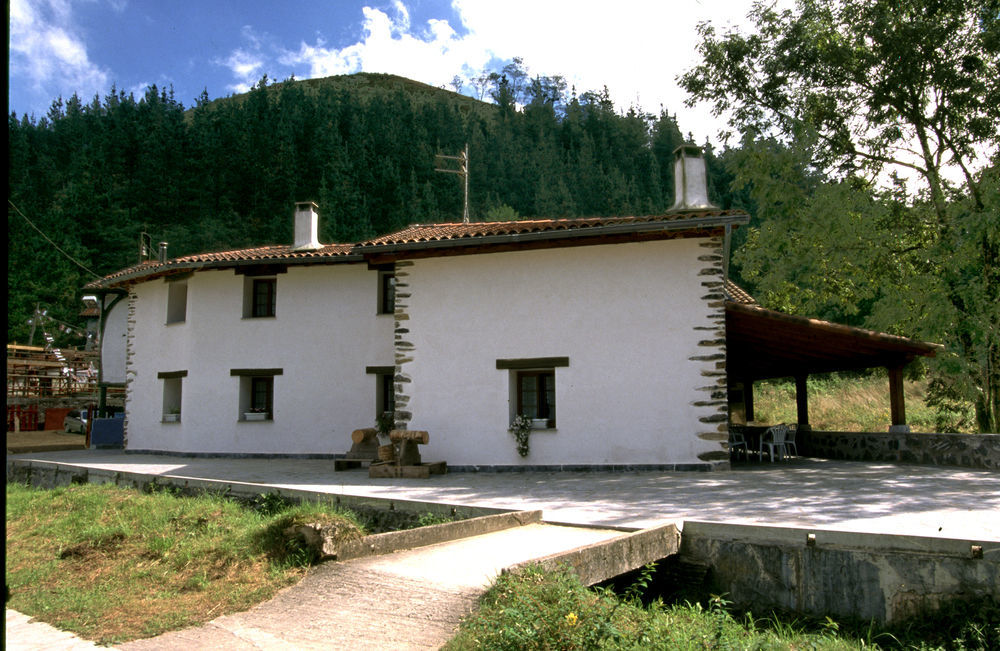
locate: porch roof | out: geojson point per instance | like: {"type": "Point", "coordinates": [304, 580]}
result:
{"type": "Point", "coordinates": [764, 344]}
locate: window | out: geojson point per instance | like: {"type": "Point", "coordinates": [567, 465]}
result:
{"type": "Point", "coordinates": [385, 388]}
{"type": "Point", "coordinates": [386, 394]}
{"type": "Point", "coordinates": [172, 393]}
{"type": "Point", "coordinates": [256, 400]}
{"type": "Point", "coordinates": [386, 292]}
{"type": "Point", "coordinates": [259, 297]}
{"type": "Point", "coordinates": [264, 295]}
{"type": "Point", "coordinates": [536, 395]}
{"type": "Point", "coordinates": [177, 292]}
{"type": "Point", "coordinates": [262, 396]}
{"type": "Point", "coordinates": [533, 386]}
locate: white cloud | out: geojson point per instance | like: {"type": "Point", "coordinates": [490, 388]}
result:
{"type": "Point", "coordinates": [636, 48]}
{"type": "Point", "coordinates": [246, 67]}
{"type": "Point", "coordinates": [47, 49]}
{"type": "Point", "coordinates": [432, 54]}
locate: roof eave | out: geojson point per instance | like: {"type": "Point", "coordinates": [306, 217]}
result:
{"type": "Point", "coordinates": [169, 268]}
{"type": "Point", "coordinates": [695, 223]}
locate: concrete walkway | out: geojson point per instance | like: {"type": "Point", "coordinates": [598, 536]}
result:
{"type": "Point", "coordinates": [849, 496]}
{"type": "Point", "coordinates": [845, 495]}
{"type": "Point", "coordinates": [407, 600]}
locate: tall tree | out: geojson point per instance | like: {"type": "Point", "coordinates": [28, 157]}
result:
{"type": "Point", "coordinates": [877, 85]}
{"type": "Point", "coordinates": [913, 84]}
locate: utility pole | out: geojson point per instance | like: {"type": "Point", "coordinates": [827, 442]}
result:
{"type": "Point", "coordinates": [463, 171]}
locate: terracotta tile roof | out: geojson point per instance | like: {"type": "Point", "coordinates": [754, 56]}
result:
{"type": "Point", "coordinates": [737, 294]}
{"type": "Point", "coordinates": [424, 233]}
{"type": "Point", "coordinates": [268, 253]}
{"type": "Point", "coordinates": [235, 257]}
{"type": "Point", "coordinates": [431, 235]}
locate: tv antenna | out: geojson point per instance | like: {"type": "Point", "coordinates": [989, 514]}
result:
{"type": "Point", "coordinates": [463, 171]}
{"type": "Point", "coordinates": [145, 247]}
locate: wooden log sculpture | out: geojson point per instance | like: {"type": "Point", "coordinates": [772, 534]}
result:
{"type": "Point", "coordinates": [409, 454]}
{"type": "Point", "coordinates": [407, 462]}
{"type": "Point", "coordinates": [364, 444]}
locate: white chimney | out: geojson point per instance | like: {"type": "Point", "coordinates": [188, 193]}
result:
{"type": "Point", "coordinates": [690, 180]}
{"type": "Point", "coordinates": [306, 227]}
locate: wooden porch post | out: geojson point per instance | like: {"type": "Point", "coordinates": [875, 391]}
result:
{"type": "Point", "coordinates": [748, 399]}
{"type": "Point", "coordinates": [802, 402]}
{"type": "Point", "coordinates": [897, 400]}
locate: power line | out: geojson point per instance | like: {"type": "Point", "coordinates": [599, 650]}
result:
{"type": "Point", "coordinates": [47, 239]}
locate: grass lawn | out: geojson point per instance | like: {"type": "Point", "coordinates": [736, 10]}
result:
{"type": "Point", "coordinates": [111, 564]}
{"type": "Point", "coordinates": [540, 610]}
{"type": "Point", "coordinates": [854, 403]}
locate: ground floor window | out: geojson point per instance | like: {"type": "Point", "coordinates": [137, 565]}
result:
{"type": "Point", "coordinates": [262, 395]}
{"type": "Point", "coordinates": [533, 387]}
{"type": "Point", "coordinates": [256, 400]}
{"type": "Point", "coordinates": [387, 393]}
{"type": "Point", "coordinates": [536, 395]}
{"type": "Point", "coordinates": [385, 388]}
{"type": "Point", "coordinates": [172, 394]}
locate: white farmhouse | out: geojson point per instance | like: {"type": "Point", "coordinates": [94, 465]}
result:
{"type": "Point", "coordinates": [611, 333]}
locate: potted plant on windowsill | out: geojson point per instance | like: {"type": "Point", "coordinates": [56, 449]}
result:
{"type": "Point", "coordinates": [256, 413]}
{"type": "Point", "coordinates": [521, 429]}
{"type": "Point", "coordinates": [173, 415]}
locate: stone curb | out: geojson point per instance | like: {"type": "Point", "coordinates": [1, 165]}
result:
{"type": "Point", "coordinates": [610, 558]}
{"type": "Point", "coordinates": [386, 543]}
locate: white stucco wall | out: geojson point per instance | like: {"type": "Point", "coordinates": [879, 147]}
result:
{"type": "Point", "coordinates": [324, 334]}
{"type": "Point", "coordinates": [113, 342]}
{"type": "Point", "coordinates": [624, 314]}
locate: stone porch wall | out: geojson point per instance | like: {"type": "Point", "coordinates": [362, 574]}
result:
{"type": "Point", "coordinates": [981, 451]}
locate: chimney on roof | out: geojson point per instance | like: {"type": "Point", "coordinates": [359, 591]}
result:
{"type": "Point", "coordinates": [161, 255]}
{"type": "Point", "coordinates": [306, 227]}
{"type": "Point", "coordinates": [690, 180]}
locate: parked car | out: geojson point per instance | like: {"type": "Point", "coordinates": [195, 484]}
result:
{"type": "Point", "coordinates": [75, 422]}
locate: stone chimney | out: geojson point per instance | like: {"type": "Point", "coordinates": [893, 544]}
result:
{"type": "Point", "coordinates": [306, 227]}
{"type": "Point", "coordinates": [690, 180]}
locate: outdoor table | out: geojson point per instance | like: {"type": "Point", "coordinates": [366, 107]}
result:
{"type": "Point", "coordinates": [751, 434]}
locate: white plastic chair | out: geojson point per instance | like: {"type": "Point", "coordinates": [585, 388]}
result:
{"type": "Point", "coordinates": [790, 447]}
{"type": "Point", "coordinates": [736, 441]}
{"type": "Point", "coordinates": [774, 439]}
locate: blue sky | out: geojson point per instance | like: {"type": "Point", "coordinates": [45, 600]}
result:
{"type": "Point", "coordinates": [634, 47]}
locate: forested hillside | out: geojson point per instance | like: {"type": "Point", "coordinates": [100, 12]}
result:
{"type": "Point", "coordinates": [94, 175]}
{"type": "Point", "coordinates": [865, 148]}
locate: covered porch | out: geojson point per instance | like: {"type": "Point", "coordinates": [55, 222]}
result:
{"type": "Point", "coordinates": [764, 344]}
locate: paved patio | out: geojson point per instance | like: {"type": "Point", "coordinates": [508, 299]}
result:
{"type": "Point", "coordinates": [843, 495]}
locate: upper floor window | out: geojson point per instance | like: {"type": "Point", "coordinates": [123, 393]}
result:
{"type": "Point", "coordinates": [176, 301]}
{"type": "Point", "coordinates": [259, 297]}
{"type": "Point", "coordinates": [264, 295]}
{"type": "Point", "coordinates": [386, 292]}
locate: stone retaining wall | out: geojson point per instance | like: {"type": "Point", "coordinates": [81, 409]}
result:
{"type": "Point", "coordinates": [981, 451]}
{"type": "Point", "coordinates": [841, 574]}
